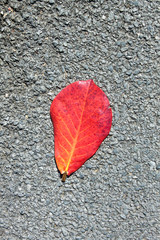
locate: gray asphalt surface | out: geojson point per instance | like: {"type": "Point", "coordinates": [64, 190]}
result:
{"type": "Point", "coordinates": [45, 45]}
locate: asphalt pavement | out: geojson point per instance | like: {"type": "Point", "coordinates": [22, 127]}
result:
{"type": "Point", "coordinates": [44, 46]}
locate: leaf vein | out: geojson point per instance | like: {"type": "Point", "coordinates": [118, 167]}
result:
{"type": "Point", "coordinates": [86, 145]}
{"type": "Point", "coordinates": [89, 116]}
{"type": "Point", "coordinates": [61, 159]}
{"type": "Point", "coordinates": [66, 127]}
{"type": "Point", "coordinates": [86, 136]}
{"type": "Point", "coordinates": [72, 122]}
{"type": "Point", "coordinates": [65, 137]}
{"type": "Point", "coordinates": [63, 147]}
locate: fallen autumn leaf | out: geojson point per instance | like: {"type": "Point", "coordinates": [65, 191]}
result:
{"type": "Point", "coordinates": [82, 119]}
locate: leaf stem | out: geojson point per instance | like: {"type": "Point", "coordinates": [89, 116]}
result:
{"type": "Point", "coordinates": [64, 176]}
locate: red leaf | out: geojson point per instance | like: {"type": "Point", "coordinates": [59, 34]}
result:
{"type": "Point", "coordinates": [82, 119]}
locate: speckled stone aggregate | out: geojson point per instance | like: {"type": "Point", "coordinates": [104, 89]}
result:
{"type": "Point", "coordinates": [44, 46]}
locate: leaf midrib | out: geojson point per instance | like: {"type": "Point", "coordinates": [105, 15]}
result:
{"type": "Point", "coordinates": [77, 134]}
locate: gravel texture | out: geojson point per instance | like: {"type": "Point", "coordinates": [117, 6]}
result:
{"type": "Point", "coordinates": [45, 45]}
